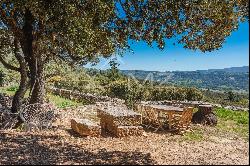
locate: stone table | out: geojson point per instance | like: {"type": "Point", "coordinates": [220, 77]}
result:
{"type": "Point", "coordinates": [120, 121]}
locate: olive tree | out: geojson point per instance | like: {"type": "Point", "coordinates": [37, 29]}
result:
{"type": "Point", "coordinates": [80, 31]}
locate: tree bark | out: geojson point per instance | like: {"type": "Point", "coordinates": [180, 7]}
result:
{"type": "Point", "coordinates": [34, 61]}
{"type": "Point", "coordinates": [205, 116]}
{"type": "Point", "coordinates": [23, 86]}
{"type": "Point", "coordinates": [19, 95]}
{"type": "Point", "coordinates": [37, 87]}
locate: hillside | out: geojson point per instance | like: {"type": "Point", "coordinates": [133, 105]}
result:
{"type": "Point", "coordinates": [243, 69]}
{"type": "Point", "coordinates": [234, 78]}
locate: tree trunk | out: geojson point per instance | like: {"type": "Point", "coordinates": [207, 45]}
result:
{"type": "Point", "coordinates": [19, 95]}
{"type": "Point", "coordinates": [37, 87]}
{"type": "Point", "coordinates": [24, 83]}
{"type": "Point", "coordinates": [205, 116]}
{"type": "Point", "coordinates": [34, 60]}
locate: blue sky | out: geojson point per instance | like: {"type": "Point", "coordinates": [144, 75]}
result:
{"type": "Point", "coordinates": [234, 53]}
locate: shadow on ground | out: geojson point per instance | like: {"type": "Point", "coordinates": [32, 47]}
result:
{"type": "Point", "coordinates": [38, 149]}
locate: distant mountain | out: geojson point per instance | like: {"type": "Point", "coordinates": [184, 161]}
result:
{"type": "Point", "coordinates": [242, 69]}
{"type": "Point", "coordinates": [234, 78]}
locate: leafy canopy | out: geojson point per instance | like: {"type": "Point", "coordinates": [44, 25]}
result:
{"type": "Point", "coordinates": [82, 30]}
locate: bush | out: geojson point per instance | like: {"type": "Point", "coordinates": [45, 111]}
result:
{"type": "Point", "coordinates": [174, 93]}
{"type": "Point", "coordinates": [129, 90]}
{"type": "Point", "coordinates": [132, 91]}
{"type": "Point", "coordinates": [1, 78]}
{"type": "Point", "coordinates": [12, 88]}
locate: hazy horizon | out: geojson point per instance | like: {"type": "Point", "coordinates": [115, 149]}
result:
{"type": "Point", "coordinates": [174, 70]}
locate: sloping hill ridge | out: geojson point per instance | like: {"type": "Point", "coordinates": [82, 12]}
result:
{"type": "Point", "coordinates": [234, 78]}
{"type": "Point", "coordinates": [242, 69]}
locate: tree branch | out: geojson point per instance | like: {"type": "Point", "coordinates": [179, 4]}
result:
{"type": "Point", "coordinates": [7, 65]}
{"type": "Point", "coordinates": [18, 55]}
{"type": "Point", "coordinates": [10, 23]}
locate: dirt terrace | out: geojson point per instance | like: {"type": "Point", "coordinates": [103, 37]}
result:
{"type": "Point", "coordinates": [63, 146]}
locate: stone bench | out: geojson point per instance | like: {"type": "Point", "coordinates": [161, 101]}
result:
{"type": "Point", "coordinates": [86, 127]}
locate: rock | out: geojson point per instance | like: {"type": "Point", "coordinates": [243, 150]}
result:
{"type": "Point", "coordinates": [144, 134]}
{"type": "Point", "coordinates": [210, 119]}
{"type": "Point", "coordinates": [86, 127]}
{"type": "Point", "coordinates": [245, 109]}
{"type": "Point", "coordinates": [217, 105]}
{"type": "Point", "coordinates": [124, 131]}
{"type": "Point", "coordinates": [228, 107]}
{"type": "Point", "coordinates": [235, 108]}
{"type": "Point", "coordinates": [7, 119]}
{"type": "Point", "coordinates": [205, 116]}
{"type": "Point", "coordinates": [83, 96]}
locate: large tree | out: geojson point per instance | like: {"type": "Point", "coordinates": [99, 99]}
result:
{"type": "Point", "coordinates": [79, 31]}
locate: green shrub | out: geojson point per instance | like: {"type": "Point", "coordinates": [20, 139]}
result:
{"type": "Point", "coordinates": [129, 90]}
{"type": "Point", "coordinates": [12, 88]}
{"type": "Point", "coordinates": [1, 78]}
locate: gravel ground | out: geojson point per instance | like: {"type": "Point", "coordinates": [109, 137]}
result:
{"type": "Point", "coordinates": [63, 146]}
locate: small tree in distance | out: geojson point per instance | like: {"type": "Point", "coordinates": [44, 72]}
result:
{"type": "Point", "coordinates": [113, 72]}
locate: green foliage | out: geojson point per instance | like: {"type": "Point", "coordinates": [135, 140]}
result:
{"type": "Point", "coordinates": [8, 77]}
{"type": "Point", "coordinates": [132, 91]}
{"type": "Point", "coordinates": [114, 84]}
{"type": "Point", "coordinates": [12, 88]}
{"type": "Point", "coordinates": [83, 31]}
{"type": "Point", "coordinates": [229, 123]}
{"type": "Point", "coordinates": [193, 94]}
{"type": "Point", "coordinates": [222, 98]}
{"type": "Point", "coordinates": [2, 75]}
{"type": "Point", "coordinates": [128, 90]}
{"type": "Point", "coordinates": [220, 79]}
{"type": "Point", "coordinates": [61, 102]}
{"type": "Point", "coordinates": [99, 27]}
{"type": "Point", "coordinates": [61, 75]}
{"type": "Point", "coordinates": [244, 102]}
{"type": "Point", "coordinates": [231, 96]}
{"type": "Point", "coordinates": [113, 73]}
{"type": "Point", "coordinates": [240, 117]}
{"type": "Point", "coordinates": [175, 93]}
{"type": "Point", "coordinates": [4, 90]}
{"type": "Point", "coordinates": [233, 121]}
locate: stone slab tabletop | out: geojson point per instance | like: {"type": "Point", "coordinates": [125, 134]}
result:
{"type": "Point", "coordinates": [118, 112]}
{"type": "Point", "coordinates": [166, 108]}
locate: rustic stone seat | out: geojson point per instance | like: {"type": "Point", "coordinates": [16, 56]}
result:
{"type": "Point", "coordinates": [86, 127]}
